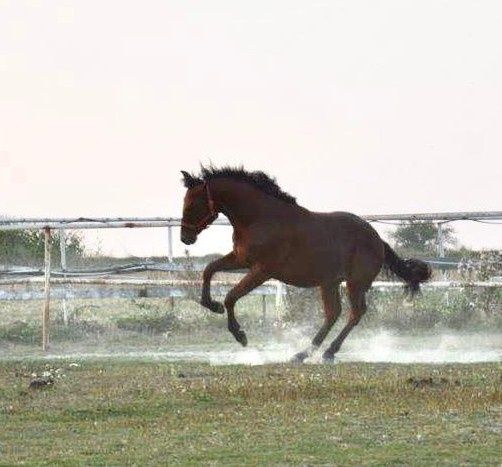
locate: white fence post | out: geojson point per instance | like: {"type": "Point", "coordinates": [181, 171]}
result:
{"type": "Point", "coordinates": [45, 310]}
{"type": "Point", "coordinates": [440, 244]}
{"type": "Point", "coordinates": [62, 249]}
{"type": "Point", "coordinates": [170, 240]}
{"type": "Point", "coordinates": [264, 309]}
{"type": "Point", "coordinates": [279, 299]}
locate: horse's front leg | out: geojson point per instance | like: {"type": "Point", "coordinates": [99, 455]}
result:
{"type": "Point", "coordinates": [250, 281]}
{"type": "Point", "coordinates": [226, 263]}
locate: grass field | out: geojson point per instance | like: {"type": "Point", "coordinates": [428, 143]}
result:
{"type": "Point", "coordinates": [126, 412]}
{"type": "Point", "coordinates": [141, 411]}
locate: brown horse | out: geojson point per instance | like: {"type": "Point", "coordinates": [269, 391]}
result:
{"type": "Point", "coordinates": [276, 238]}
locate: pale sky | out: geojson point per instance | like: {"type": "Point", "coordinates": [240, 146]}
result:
{"type": "Point", "coordinates": [366, 106]}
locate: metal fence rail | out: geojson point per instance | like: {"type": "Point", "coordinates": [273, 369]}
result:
{"type": "Point", "coordinates": [148, 266]}
{"type": "Point", "coordinates": [157, 288]}
{"type": "Point", "coordinates": [78, 223]}
{"type": "Point", "coordinates": [132, 222]}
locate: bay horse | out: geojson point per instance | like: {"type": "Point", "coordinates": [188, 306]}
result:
{"type": "Point", "coordinates": [274, 237]}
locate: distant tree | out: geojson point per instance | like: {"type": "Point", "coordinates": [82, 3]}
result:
{"type": "Point", "coordinates": [28, 247]}
{"type": "Point", "coordinates": [422, 237]}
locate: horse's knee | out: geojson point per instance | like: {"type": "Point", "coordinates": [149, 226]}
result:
{"type": "Point", "coordinates": [330, 317]}
{"type": "Point", "coordinates": [229, 301]}
{"type": "Point", "coordinates": [207, 274]}
{"type": "Point", "coordinates": [355, 316]}
{"type": "Point", "coordinates": [354, 321]}
{"type": "Point", "coordinates": [215, 307]}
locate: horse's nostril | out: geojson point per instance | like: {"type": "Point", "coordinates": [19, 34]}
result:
{"type": "Point", "coordinates": [188, 239]}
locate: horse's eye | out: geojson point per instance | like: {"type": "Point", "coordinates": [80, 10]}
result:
{"type": "Point", "coordinates": [195, 205]}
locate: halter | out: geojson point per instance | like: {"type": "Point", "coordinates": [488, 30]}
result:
{"type": "Point", "coordinates": [207, 219]}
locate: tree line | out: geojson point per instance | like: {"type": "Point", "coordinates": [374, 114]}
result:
{"type": "Point", "coordinates": [27, 247]}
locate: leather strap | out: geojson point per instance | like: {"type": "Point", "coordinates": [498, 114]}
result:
{"type": "Point", "coordinates": [207, 219]}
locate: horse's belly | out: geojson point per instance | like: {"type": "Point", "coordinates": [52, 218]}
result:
{"type": "Point", "coordinates": [298, 281]}
{"type": "Point", "coordinates": [299, 260]}
{"type": "Point", "coordinates": [307, 271]}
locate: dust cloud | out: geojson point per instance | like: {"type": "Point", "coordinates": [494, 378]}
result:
{"type": "Point", "coordinates": [364, 346]}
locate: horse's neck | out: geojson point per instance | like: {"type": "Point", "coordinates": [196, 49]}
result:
{"type": "Point", "coordinates": [244, 204]}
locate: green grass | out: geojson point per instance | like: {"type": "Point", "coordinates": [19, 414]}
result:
{"type": "Point", "coordinates": [126, 412]}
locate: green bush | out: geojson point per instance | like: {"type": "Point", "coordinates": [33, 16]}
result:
{"type": "Point", "coordinates": [28, 247]}
{"type": "Point", "coordinates": [150, 319]}
{"type": "Point", "coordinates": [22, 332]}
{"type": "Point", "coordinates": [145, 323]}
{"type": "Point", "coordinates": [454, 308]}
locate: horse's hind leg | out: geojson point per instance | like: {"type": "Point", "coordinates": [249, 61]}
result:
{"type": "Point", "coordinates": [330, 294]}
{"type": "Point", "coordinates": [250, 281]}
{"type": "Point", "coordinates": [357, 300]}
{"type": "Point", "coordinates": [226, 263]}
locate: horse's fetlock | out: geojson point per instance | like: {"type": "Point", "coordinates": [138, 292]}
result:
{"type": "Point", "coordinates": [233, 328]}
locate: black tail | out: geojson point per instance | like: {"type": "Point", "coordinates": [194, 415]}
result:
{"type": "Point", "coordinates": [412, 271]}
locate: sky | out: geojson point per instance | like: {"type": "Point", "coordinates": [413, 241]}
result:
{"type": "Point", "coordinates": [373, 107]}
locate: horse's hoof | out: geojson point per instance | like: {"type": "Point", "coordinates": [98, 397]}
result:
{"type": "Point", "coordinates": [215, 307]}
{"type": "Point", "coordinates": [328, 357]}
{"type": "Point", "coordinates": [240, 336]}
{"type": "Point", "coordinates": [299, 357]}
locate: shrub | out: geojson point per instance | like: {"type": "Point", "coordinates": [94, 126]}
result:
{"type": "Point", "coordinates": [28, 247]}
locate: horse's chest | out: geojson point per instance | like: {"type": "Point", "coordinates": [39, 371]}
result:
{"type": "Point", "coordinates": [245, 252]}
{"type": "Point", "coordinates": [249, 249]}
{"type": "Point", "coordinates": [241, 247]}
{"type": "Point", "coordinates": [241, 253]}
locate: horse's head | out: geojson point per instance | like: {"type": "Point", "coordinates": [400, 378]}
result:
{"type": "Point", "coordinates": [198, 208]}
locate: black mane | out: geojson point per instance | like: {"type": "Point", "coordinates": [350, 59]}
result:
{"type": "Point", "coordinates": [258, 179]}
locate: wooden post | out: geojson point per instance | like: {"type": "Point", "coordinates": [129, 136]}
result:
{"type": "Point", "coordinates": [45, 310]}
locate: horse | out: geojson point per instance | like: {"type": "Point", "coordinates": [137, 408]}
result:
{"type": "Point", "coordinates": [276, 238]}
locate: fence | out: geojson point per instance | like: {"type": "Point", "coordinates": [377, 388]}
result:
{"type": "Point", "coordinates": [172, 288]}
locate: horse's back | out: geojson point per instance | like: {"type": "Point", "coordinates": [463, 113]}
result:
{"type": "Point", "coordinates": [347, 224]}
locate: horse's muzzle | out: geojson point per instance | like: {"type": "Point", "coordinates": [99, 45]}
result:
{"type": "Point", "coordinates": [188, 237]}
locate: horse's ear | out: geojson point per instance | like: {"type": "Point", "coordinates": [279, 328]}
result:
{"type": "Point", "coordinates": [188, 180]}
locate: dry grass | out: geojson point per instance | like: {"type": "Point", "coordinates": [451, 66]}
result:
{"type": "Point", "coordinates": [143, 412]}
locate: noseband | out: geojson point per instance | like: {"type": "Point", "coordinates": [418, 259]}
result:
{"type": "Point", "coordinates": [207, 219]}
